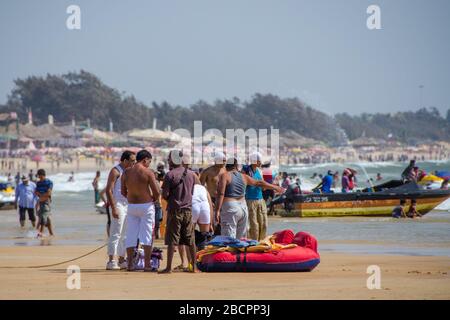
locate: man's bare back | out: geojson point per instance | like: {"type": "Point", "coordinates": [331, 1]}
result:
{"type": "Point", "coordinates": [138, 183]}
{"type": "Point", "coordinates": [210, 177]}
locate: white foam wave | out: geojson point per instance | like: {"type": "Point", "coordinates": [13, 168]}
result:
{"type": "Point", "coordinates": [82, 182]}
{"type": "Point", "coordinates": [307, 184]}
{"type": "Point", "coordinates": [311, 166]}
{"type": "Point", "coordinates": [380, 164]}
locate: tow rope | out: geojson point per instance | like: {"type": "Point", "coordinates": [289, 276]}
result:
{"type": "Point", "coordinates": [55, 264]}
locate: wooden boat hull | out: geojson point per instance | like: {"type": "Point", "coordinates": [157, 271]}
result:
{"type": "Point", "coordinates": [360, 203]}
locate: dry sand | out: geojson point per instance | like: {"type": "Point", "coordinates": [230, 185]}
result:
{"type": "Point", "coordinates": [83, 165]}
{"type": "Point", "coordinates": [338, 276]}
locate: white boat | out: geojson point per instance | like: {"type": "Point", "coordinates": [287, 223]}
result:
{"type": "Point", "coordinates": [7, 195]}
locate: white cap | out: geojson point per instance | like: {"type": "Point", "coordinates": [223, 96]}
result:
{"type": "Point", "coordinates": [255, 157]}
{"type": "Point", "coordinates": [219, 157]}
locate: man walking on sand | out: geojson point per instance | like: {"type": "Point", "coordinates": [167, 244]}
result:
{"type": "Point", "coordinates": [43, 191]}
{"type": "Point", "coordinates": [141, 189]}
{"type": "Point", "coordinates": [26, 199]}
{"type": "Point", "coordinates": [178, 188]}
{"type": "Point", "coordinates": [118, 205]}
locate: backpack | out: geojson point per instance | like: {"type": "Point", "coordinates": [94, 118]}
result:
{"type": "Point", "coordinates": [202, 238]}
{"type": "Point", "coordinates": [155, 260]}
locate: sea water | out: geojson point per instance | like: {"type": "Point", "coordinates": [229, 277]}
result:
{"type": "Point", "coordinates": [76, 221]}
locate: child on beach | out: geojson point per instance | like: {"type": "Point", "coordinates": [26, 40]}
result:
{"type": "Point", "coordinates": [43, 191]}
{"type": "Point", "coordinates": [399, 211]}
{"type": "Point", "coordinates": [412, 212]}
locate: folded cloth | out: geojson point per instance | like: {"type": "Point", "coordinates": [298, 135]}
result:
{"type": "Point", "coordinates": [225, 243]}
{"type": "Point", "coordinates": [222, 241]}
{"type": "Point", "coordinates": [243, 244]}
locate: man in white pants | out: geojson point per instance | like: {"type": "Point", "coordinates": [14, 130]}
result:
{"type": "Point", "coordinates": [118, 204]}
{"type": "Point", "coordinates": [140, 187]}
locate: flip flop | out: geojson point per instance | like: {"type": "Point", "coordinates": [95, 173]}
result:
{"type": "Point", "coordinates": [188, 269]}
{"type": "Point", "coordinates": [165, 271]}
{"type": "Point", "coordinates": [179, 268]}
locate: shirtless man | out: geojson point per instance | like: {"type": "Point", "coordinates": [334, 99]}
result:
{"type": "Point", "coordinates": [141, 189]}
{"type": "Point", "coordinates": [95, 184]}
{"type": "Point", "coordinates": [210, 176]}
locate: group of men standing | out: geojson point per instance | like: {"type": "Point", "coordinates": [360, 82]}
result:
{"type": "Point", "coordinates": [132, 190]}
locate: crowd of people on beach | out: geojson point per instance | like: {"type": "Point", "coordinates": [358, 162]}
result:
{"type": "Point", "coordinates": [360, 154]}
{"type": "Point", "coordinates": [223, 199]}
{"type": "Point", "coordinates": [226, 198]}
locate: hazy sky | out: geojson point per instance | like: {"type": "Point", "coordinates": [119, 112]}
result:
{"type": "Point", "coordinates": [186, 50]}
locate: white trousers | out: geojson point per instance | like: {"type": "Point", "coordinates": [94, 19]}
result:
{"type": "Point", "coordinates": [140, 224]}
{"type": "Point", "coordinates": [116, 240]}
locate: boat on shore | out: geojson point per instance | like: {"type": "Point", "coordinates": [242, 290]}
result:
{"type": "Point", "coordinates": [377, 201]}
{"type": "Point", "coordinates": [7, 195]}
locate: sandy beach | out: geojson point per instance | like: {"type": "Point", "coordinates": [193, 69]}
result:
{"type": "Point", "coordinates": [83, 165]}
{"type": "Point", "coordinates": [414, 256]}
{"type": "Point", "coordinates": [338, 276]}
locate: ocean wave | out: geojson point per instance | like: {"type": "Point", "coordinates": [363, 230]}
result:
{"type": "Point", "coordinates": [82, 182]}
{"type": "Point", "coordinates": [446, 161]}
{"type": "Point", "coordinates": [377, 164]}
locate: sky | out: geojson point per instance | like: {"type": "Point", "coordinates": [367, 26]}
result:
{"type": "Point", "coordinates": [181, 51]}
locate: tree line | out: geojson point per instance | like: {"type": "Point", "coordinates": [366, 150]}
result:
{"type": "Point", "coordinates": [82, 95]}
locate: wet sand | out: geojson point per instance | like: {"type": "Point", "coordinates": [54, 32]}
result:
{"type": "Point", "coordinates": [338, 276]}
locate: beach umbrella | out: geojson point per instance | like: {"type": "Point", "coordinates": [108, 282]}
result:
{"type": "Point", "coordinates": [154, 135]}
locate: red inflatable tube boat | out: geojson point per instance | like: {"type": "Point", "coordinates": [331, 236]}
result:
{"type": "Point", "coordinates": [304, 257]}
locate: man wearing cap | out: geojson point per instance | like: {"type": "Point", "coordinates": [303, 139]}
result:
{"type": "Point", "coordinates": [257, 208]}
{"type": "Point", "coordinates": [26, 200]}
{"type": "Point", "coordinates": [210, 176]}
